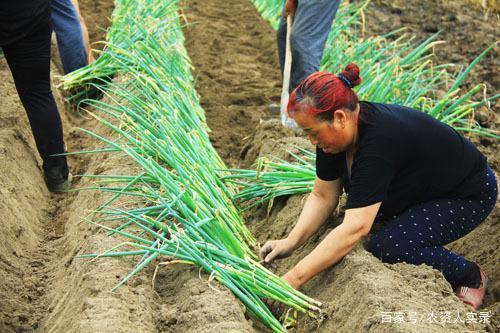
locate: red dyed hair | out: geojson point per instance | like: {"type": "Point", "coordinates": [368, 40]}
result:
{"type": "Point", "coordinates": [321, 93]}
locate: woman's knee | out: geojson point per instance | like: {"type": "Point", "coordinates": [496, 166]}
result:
{"type": "Point", "coordinates": [387, 248]}
{"type": "Point", "coordinates": [376, 245]}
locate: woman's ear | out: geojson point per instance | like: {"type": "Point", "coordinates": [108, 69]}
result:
{"type": "Point", "coordinates": [339, 118]}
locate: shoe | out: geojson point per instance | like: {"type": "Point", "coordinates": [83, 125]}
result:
{"type": "Point", "coordinates": [56, 182]}
{"type": "Point", "coordinates": [473, 296]}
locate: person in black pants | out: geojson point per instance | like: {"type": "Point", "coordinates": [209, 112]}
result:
{"type": "Point", "coordinates": [419, 179]}
{"type": "Point", "coordinates": [25, 33]}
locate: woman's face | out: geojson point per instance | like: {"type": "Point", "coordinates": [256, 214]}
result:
{"type": "Point", "coordinates": [332, 136]}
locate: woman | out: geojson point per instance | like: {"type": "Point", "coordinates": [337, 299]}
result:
{"type": "Point", "coordinates": [25, 31]}
{"type": "Point", "coordinates": [426, 182]}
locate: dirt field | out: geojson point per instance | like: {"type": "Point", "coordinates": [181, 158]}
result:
{"type": "Point", "coordinates": [45, 289]}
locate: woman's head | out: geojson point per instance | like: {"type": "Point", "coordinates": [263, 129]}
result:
{"type": "Point", "coordinates": [326, 108]}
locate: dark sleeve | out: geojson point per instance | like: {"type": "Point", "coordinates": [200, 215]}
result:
{"type": "Point", "coordinates": [329, 166]}
{"type": "Point", "coordinates": [372, 172]}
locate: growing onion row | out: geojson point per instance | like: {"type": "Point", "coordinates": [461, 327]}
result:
{"type": "Point", "coordinates": [180, 207]}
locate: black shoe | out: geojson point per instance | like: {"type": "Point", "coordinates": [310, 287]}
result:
{"type": "Point", "coordinates": [56, 181]}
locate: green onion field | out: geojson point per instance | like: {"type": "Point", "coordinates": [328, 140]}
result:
{"type": "Point", "coordinates": [180, 173]}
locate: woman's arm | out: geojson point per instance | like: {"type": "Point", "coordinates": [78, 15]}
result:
{"type": "Point", "coordinates": [319, 205]}
{"type": "Point", "coordinates": [357, 223]}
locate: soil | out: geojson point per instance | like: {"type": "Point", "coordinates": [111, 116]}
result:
{"type": "Point", "coordinates": [466, 30]}
{"type": "Point", "coordinates": [46, 289]}
{"type": "Point", "coordinates": [236, 68]}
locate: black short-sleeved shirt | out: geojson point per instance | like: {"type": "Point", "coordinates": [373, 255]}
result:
{"type": "Point", "coordinates": [18, 18]}
{"type": "Point", "coordinates": [404, 157]}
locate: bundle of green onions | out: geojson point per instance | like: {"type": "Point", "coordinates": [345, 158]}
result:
{"type": "Point", "coordinates": [274, 178]}
{"type": "Point", "coordinates": [181, 207]}
{"type": "Point", "coordinates": [398, 71]}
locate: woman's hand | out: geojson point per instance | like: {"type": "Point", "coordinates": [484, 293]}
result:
{"type": "Point", "coordinates": [319, 205]}
{"type": "Point", "coordinates": [276, 249]}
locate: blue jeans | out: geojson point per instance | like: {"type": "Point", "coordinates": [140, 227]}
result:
{"type": "Point", "coordinates": [312, 23]}
{"type": "Point", "coordinates": [66, 24]}
{"type": "Point", "coordinates": [418, 234]}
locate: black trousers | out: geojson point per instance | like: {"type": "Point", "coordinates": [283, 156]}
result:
{"type": "Point", "coordinates": [29, 62]}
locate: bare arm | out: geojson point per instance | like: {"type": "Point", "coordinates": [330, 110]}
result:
{"type": "Point", "coordinates": [319, 205]}
{"type": "Point", "coordinates": [357, 223]}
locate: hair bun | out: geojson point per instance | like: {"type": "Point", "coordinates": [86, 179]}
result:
{"type": "Point", "coordinates": [351, 72]}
